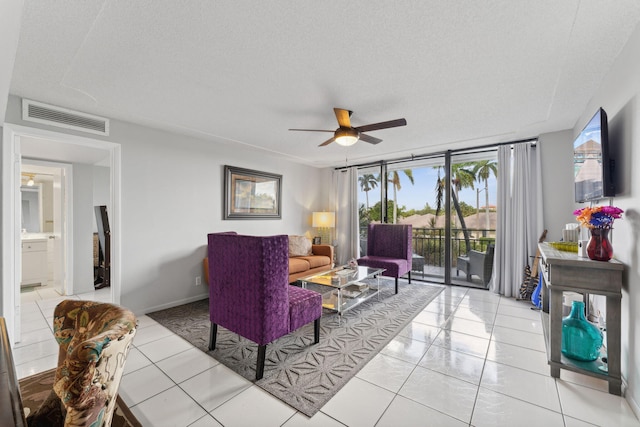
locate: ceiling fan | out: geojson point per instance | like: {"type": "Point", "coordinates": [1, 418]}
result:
{"type": "Point", "coordinates": [348, 135]}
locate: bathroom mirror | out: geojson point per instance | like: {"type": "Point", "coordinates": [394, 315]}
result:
{"type": "Point", "coordinates": [31, 212]}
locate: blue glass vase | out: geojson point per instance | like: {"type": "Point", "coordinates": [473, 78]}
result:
{"type": "Point", "coordinates": [581, 340]}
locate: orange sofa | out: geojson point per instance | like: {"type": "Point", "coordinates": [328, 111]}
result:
{"type": "Point", "coordinates": [321, 259]}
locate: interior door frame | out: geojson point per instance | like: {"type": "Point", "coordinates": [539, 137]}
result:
{"type": "Point", "coordinates": [11, 259]}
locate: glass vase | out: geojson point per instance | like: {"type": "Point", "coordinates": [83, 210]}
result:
{"type": "Point", "coordinates": [581, 340]}
{"type": "Point", "coordinates": [599, 247]}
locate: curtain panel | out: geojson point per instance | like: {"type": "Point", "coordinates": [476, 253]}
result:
{"type": "Point", "coordinates": [345, 191]}
{"type": "Point", "coordinates": [519, 216]}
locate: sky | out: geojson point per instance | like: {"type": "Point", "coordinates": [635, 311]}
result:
{"type": "Point", "coordinates": [423, 190]}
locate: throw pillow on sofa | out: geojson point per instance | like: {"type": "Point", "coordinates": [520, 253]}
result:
{"type": "Point", "coordinates": [299, 246]}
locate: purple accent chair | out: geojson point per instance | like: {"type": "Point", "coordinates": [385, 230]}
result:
{"type": "Point", "coordinates": [389, 247]}
{"type": "Point", "coordinates": [249, 291]}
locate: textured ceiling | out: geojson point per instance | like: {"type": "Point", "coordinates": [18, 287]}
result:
{"type": "Point", "coordinates": [462, 73]}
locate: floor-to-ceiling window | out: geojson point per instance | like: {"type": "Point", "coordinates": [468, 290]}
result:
{"type": "Point", "coordinates": [448, 220]}
{"type": "Point", "coordinates": [473, 217]}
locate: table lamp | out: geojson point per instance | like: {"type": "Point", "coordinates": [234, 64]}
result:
{"type": "Point", "coordinates": [324, 222]}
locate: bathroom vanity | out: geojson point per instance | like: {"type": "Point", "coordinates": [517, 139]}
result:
{"type": "Point", "coordinates": [34, 261]}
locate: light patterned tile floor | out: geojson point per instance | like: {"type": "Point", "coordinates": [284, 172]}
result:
{"type": "Point", "coordinates": [471, 358]}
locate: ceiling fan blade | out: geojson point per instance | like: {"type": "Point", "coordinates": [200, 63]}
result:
{"type": "Point", "coordinates": [343, 117]}
{"type": "Point", "coordinates": [382, 125]}
{"type": "Point", "coordinates": [370, 139]}
{"type": "Point", "coordinates": [313, 130]}
{"type": "Point", "coordinates": [327, 142]}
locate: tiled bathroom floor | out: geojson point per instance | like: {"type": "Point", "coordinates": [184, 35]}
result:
{"type": "Point", "coordinates": [471, 358]}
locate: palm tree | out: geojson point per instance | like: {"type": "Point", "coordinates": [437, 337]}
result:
{"type": "Point", "coordinates": [368, 182]}
{"type": "Point", "coordinates": [394, 178]}
{"type": "Point", "coordinates": [461, 177]}
{"type": "Point", "coordinates": [432, 222]}
{"type": "Point", "coordinates": [483, 170]}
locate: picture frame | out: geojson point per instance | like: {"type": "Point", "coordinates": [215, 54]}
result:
{"type": "Point", "coordinates": [251, 194]}
{"type": "Point", "coordinates": [317, 240]}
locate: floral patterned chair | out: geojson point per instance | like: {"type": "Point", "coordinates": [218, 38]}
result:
{"type": "Point", "coordinates": [94, 340]}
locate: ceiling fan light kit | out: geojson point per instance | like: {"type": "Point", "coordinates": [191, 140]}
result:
{"type": "Point", "coordinates": [347, 135]}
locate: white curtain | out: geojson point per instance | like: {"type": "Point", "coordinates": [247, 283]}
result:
{"type": "Point", "coordinates": [519, 216]}
{"type": "Point", "coordinates": [345, 191]}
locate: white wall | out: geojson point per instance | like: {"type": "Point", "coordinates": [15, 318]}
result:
{"type": "Point", "coordinates": [47, 206]}
{"type": "Point", "coordinates": [619, 96]}
{"type": "Point", "coordinates": [556, 156]}
{"type": "Point", "coordinates": [10, 21]}
{"type": "Point", "coordinates": [101, 186]}
{"type": "Point", "coordinates": [172, 194]}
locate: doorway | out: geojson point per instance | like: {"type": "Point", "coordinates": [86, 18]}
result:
{"type": "Point", "coordinates": [20, 144]}
{"type": "Point", "coordinates": [47, 223]}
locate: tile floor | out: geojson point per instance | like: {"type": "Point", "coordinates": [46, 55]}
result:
{"type": "Point", "coordinates": [471, 358]}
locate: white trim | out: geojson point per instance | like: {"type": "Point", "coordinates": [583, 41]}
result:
{"type": "Point", "coordinates": [632, 403]}
{"type": "Point", "coordinates": [15, 229]}
{"type": "Point", "coordinates": [68, 229]}
{"type": "Point", "coordinates": [174, 303]}
{"type": "Point", "coordinates": [115, 220]}
{"type": "Point", "coordinates": [10, 173]}
{"type": "Point", "coordinates": [9, 250]}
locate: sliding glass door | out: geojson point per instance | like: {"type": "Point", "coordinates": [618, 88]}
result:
{"type": "Point", "coordinates": [407, 193]}
{"type": "Point", "coordinates": [451, 213]}
{"type": "Point", "coordinates": [473, 217]}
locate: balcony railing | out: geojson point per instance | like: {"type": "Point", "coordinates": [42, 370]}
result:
{"type": "Point", "coordinates": [429, 243]}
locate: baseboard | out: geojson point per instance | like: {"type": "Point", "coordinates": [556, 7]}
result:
{"type": "Point", "coordinates": [173, 304]}
{"type": "Point", "coordinates": [633, 404]}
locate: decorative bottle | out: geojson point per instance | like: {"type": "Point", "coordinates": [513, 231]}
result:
{"type": "Point", "coordinates": [581, 340]}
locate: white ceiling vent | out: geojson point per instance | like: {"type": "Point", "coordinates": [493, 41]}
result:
{"type": "Point", "coordinates": [38, 112]}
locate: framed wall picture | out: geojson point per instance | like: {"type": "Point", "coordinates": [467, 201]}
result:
{"type": "Point", "coordinates": [250, 194]}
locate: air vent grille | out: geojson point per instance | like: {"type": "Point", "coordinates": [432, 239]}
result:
{"type": "Point", "coordinates": [62, 117]}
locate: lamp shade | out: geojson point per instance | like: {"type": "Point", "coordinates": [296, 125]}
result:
{"type": "Point", "coordinates": [324, 219]}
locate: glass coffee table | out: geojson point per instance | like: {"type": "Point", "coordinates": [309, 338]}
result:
{"type": "Point", "coordinates": [344, 288]}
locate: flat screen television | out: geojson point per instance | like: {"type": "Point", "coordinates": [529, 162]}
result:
{"type": "Point", "coordinates": [592, 166]}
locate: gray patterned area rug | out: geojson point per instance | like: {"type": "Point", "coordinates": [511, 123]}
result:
{"type": "Point", "coordinates": [303, 375]}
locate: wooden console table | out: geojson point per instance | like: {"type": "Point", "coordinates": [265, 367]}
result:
{"type": "Point", "coordinates": [565, 271]}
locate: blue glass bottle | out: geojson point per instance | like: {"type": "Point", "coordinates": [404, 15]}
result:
{"type": "Point", "coordinates": [581, 340]}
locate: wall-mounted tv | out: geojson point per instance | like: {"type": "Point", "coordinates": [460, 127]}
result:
{"type": "Point", "coordinates": [592, 167]}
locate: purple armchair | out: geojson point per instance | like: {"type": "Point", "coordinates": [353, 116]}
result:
{"type": "Point", "coordinates": [249, 291]}
{"type": "Point", "coordinates": [389, 247]}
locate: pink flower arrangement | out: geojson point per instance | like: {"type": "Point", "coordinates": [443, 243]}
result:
{"type": "Point", "coordinates": [598, 217]}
